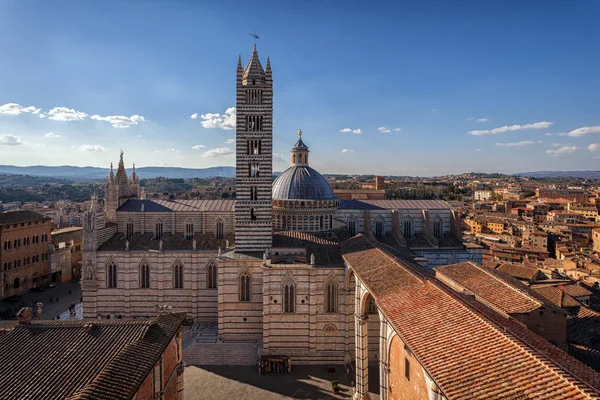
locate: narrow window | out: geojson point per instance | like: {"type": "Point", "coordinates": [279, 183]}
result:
{"type": "Point", "coordinates": [211, 276]}
{"type": "Point", "coordinates": [408, 228]}
{"type": "Point", "coordinates": [289, 298]}
{"type": "Point", "coordinates": [245, 287]}
{"type": "Point", "coordinates": [129, 229]}
{"type": "Point", "coordinates": [158, 230]}
{"type": "Point", "coordinates": [112, 275]}
{"type": "Point", "coordinates": [371, 307]}
{"type": "Point", "coordinates": [379, 228]}
{"type": "Point", "coordinates": [331, 301]}
{"type": "Point", "coordinates": [178, 276]}
{"type": "Point", "coordinates": [144, 275]}
{"type": "Point", "coordinates": [252, 214]}
{"type": "Point", "coordinates": [220, 230]}
{"type": "Point", "coordinates": [189, 231]}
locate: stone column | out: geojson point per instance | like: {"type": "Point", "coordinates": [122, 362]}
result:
{"type": "Point", "coordinates": [384, 360]}
{"type": "Point", "coordinates": [361, 333]}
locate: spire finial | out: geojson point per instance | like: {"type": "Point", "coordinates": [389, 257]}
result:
{"type": "Point", "coordinates": [111, 167]}
{"type": "Point", "coordinates": [300, 132]}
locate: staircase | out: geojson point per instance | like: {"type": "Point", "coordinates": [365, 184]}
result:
{"type": "Point", "coordinates": [201, 346]}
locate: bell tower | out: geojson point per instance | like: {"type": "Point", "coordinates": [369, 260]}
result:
{"type": "Point", "coordinates": [254, 162]}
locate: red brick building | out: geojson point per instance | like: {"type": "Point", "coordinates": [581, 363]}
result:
{"type": "Point", "coordinates": [92, 359]}
{"type": "Point", "coordinates": [24, 240]}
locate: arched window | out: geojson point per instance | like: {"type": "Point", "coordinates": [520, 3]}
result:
{"type": "Point", "coordinates": [408, 228]}
{"type": "Point", "coordinates": [379, 228]}
{"type": "Point", "coordinates": [144, 275]}
{"type": "Point", "coordinates": [220, 229]}
{"type": "Point", "coordinates": [289, 297]}
{"type": "Point", "coordinates": [437, 228]}
{"type": "Point", "coordinates": [189, 230]}
{"type": "Point", "coordinates": [178, 275]}
{"type": "Point", "coordinates": [211, 276]}
{"type": "Point", "coordinates": [16, 283]}
{"type": "Point", "coordinates": [321, 222]}
{"type": "Point", "coordinates": [111, 275]}
{"type": "Point", "coordinates": [129, 229]}
{"type": "Point", "coordinates": [158, 229]}
{"type": "Point", "coordinates": [331, 298]}
{"type": "Point", "coordinates": [245, 287]}
{"type": "Point", "coordinates": [352, 226]}
{"type": "Point", "coordinates": [293, 159]}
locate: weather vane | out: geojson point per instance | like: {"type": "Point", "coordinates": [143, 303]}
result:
{"type": "Point", "coordinates": [254, 35]}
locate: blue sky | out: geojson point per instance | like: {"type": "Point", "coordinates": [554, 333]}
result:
{"type": "Point", "coordinates": [496, 86]}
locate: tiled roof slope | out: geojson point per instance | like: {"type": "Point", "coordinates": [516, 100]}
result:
{"type": "Point", "coordinates": [68, 359]}
{"type": "Point", "coordinates": [556, 296]}
{"type": "Point", "coordinates": [504, 293]}
{"type": "Point", "coordinates": [470, 351]}
{"type": "Point", "coordinates": [518, 271]}
{"type": "Point", "coordinates": [326, 249]}
{"type": "Point", "coordinates": [171, 241]}
{"type": "Point", "coordinates": [584, 327]}
{"type": "Point", "coordinates": [21, 216]}
{"type": "Point", "coordinates": [135, 205]}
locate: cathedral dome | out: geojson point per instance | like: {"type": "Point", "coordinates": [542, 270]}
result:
{"type": "Point", "coordinates": [301, 183]}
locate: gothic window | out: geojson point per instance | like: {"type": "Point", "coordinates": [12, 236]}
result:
{"type": "Point", "coordinates": [129, 229]}
{"type": "Point", "coordinates": [220, 229]}
{"type": "Point", "coordinates": [371, 307]}
{"type": "Point", "coordinates": [252, 214]}
{"type": "Point", "coordinates": [253, 193]}
{"type": "Point", "coordinates": [408, 228]}
{"type": "Point", "coordinates": [16, 283]}
{"type": "Point", "coordinates": [189, 230]}
{"type": "Point", "coordinates": [379, 228]}
{"type": "Point", "coordinates": [158, 229]}
{"type": "Point", "coordinates": [178, 275]}
{"type": "Point", "coordinates": [254, 122]}
{"type": "Point", "coordinates": [321, 222]}
{"type": "Point", "coordinates": [111, 271]}
{"type": "Point", "coordinates": [144, 275]}
{"type": "Point", "coordinates": [437, 228]}
{"type": "Point", "coordinates": [293, 159]}
{"type": "Point", "coordinates": [289, 297]}
{"type": "Point", "coordinates": [254, 147]}
{"type": "Point", "coordinates": [352, 226]}
{"type": "Point", "coordinates": [254, 170]}
{"type": "Point", "coordinates": [331, 298]}
{"type": "Point", "coordinates": [245, 287]}
{"type": "Point", "coordinates": [299, 158]}
{"type": "Point", "coordinates": [211, 276]}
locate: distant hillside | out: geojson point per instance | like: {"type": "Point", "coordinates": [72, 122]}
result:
{"type": "Point", "coordinates": [562, 174]}
{"type": "Point", "coordinates": [95, 173]}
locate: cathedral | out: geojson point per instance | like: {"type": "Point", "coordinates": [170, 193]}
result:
{"type": "Point", "coordinates": [279, 266]}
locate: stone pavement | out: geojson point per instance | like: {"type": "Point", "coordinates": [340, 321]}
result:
{"type": "Point", "coordinates": [50, 309]}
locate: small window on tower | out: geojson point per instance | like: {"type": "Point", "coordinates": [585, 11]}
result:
{"type": "Point", "coordinates": [253, 82]}
{"type": "Point", "coordinates": [252, 214]}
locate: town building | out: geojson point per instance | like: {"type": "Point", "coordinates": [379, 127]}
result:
{"type": "Point", "coordinates": [66, 254]}
{"type": "Point", "coordinates": [482, 195]}
{"type": "Point", "coordinates": [580, 196]}
{"type": "Point", "coordinates": [24, 240]}
{"type": "Point", "coordinates": [92, 359]}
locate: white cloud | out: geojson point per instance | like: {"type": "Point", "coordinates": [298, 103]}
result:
{"type": "Point", "coordinates": [87, 147]}
{"type": "Point", "coordinates": [173, 150]}
{"type": "Point", "coordinates": [120, 121]}
{"type": "Point", "coordinates": [562, 150]}
{"type": "Point", "coordinates": [215, 120]}
{"type": "Point", "coordinates": [221, 151]}
{"type": "Point", "coordinates": [6, 139]}
{"type": "Point", "coordinates": [16, 109]}
{"type": "Point", "coordinates": [560, 144]}
{"type": "Point", "coordinates": [230, 141]}
{"type": "Point", "coordinates": [483, 120]}
{"type": "Point", "coordinates": [52, 135]}
{"type": "Point", "coordinates": [383, 129]}
{"type": "Point", "coordinates": [66, 114]}
{"type": "Point", "coordinates": [357, 131]}
{"type": "Point", "coordinates": [278, 157]}
{"type": "Point", "coordinates": [347, 151]}
{"type": "Point", "coordinates": [478, 150]}
{"type": "Point", "coordinates": [594, 147]}
{"type": "Point", "coordinates": [586, 130]}
{"type": "Point", "coordinates": [535, 125]}
{"type": "Point", "coordinates": [515, 144]}
{"type": "Point", "coordinates": [345, 130]}
{"type": "Point", "coordinates": [194, 116]}
{"type": "Point", "coordinates": [397, 129]}
{"type": "Point", "coordinates": [198, 147]}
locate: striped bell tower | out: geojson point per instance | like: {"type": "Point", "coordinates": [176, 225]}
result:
{"type": "Point", "coordinates": [254, 161]}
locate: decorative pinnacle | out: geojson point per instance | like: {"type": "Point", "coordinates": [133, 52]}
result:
{"type": "Point", "coordinates": [299, 132]}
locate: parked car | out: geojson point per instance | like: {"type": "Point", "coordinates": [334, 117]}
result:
{"type": "Point", "coordinates": [51, 285]}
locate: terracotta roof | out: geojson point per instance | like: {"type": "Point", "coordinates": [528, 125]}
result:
{"type": "Point", "coordinates": [470, 351]}
{"type": "Point", "coordinates": [395, 204]}
{"type": "Point", "coordinates": [584, 327]}
{"type": "Point", "coordinates": [576, 290]}
{"type": "Point", "coordinates": [500, 291]}
{"type": "Point", "coordinates": [556, 296]}
{"type": "Point", "coordinates": [518, 271]}
{"type": "Point", "coordinates": [21, 216]}
{"type": "Point", "coordinates": [325, 247]}
{"type": "Point", "coordinates": [67, 234]}
{"type": "Point", "coordinates": [586, 355]}
{"type": "Point", "coordinates": [171, 241]}
{"type": "Point", "coordinates": [95, 359]}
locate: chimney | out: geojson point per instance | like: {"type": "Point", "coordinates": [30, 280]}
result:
{"type": "Point", "coordinates": [25, 315]}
